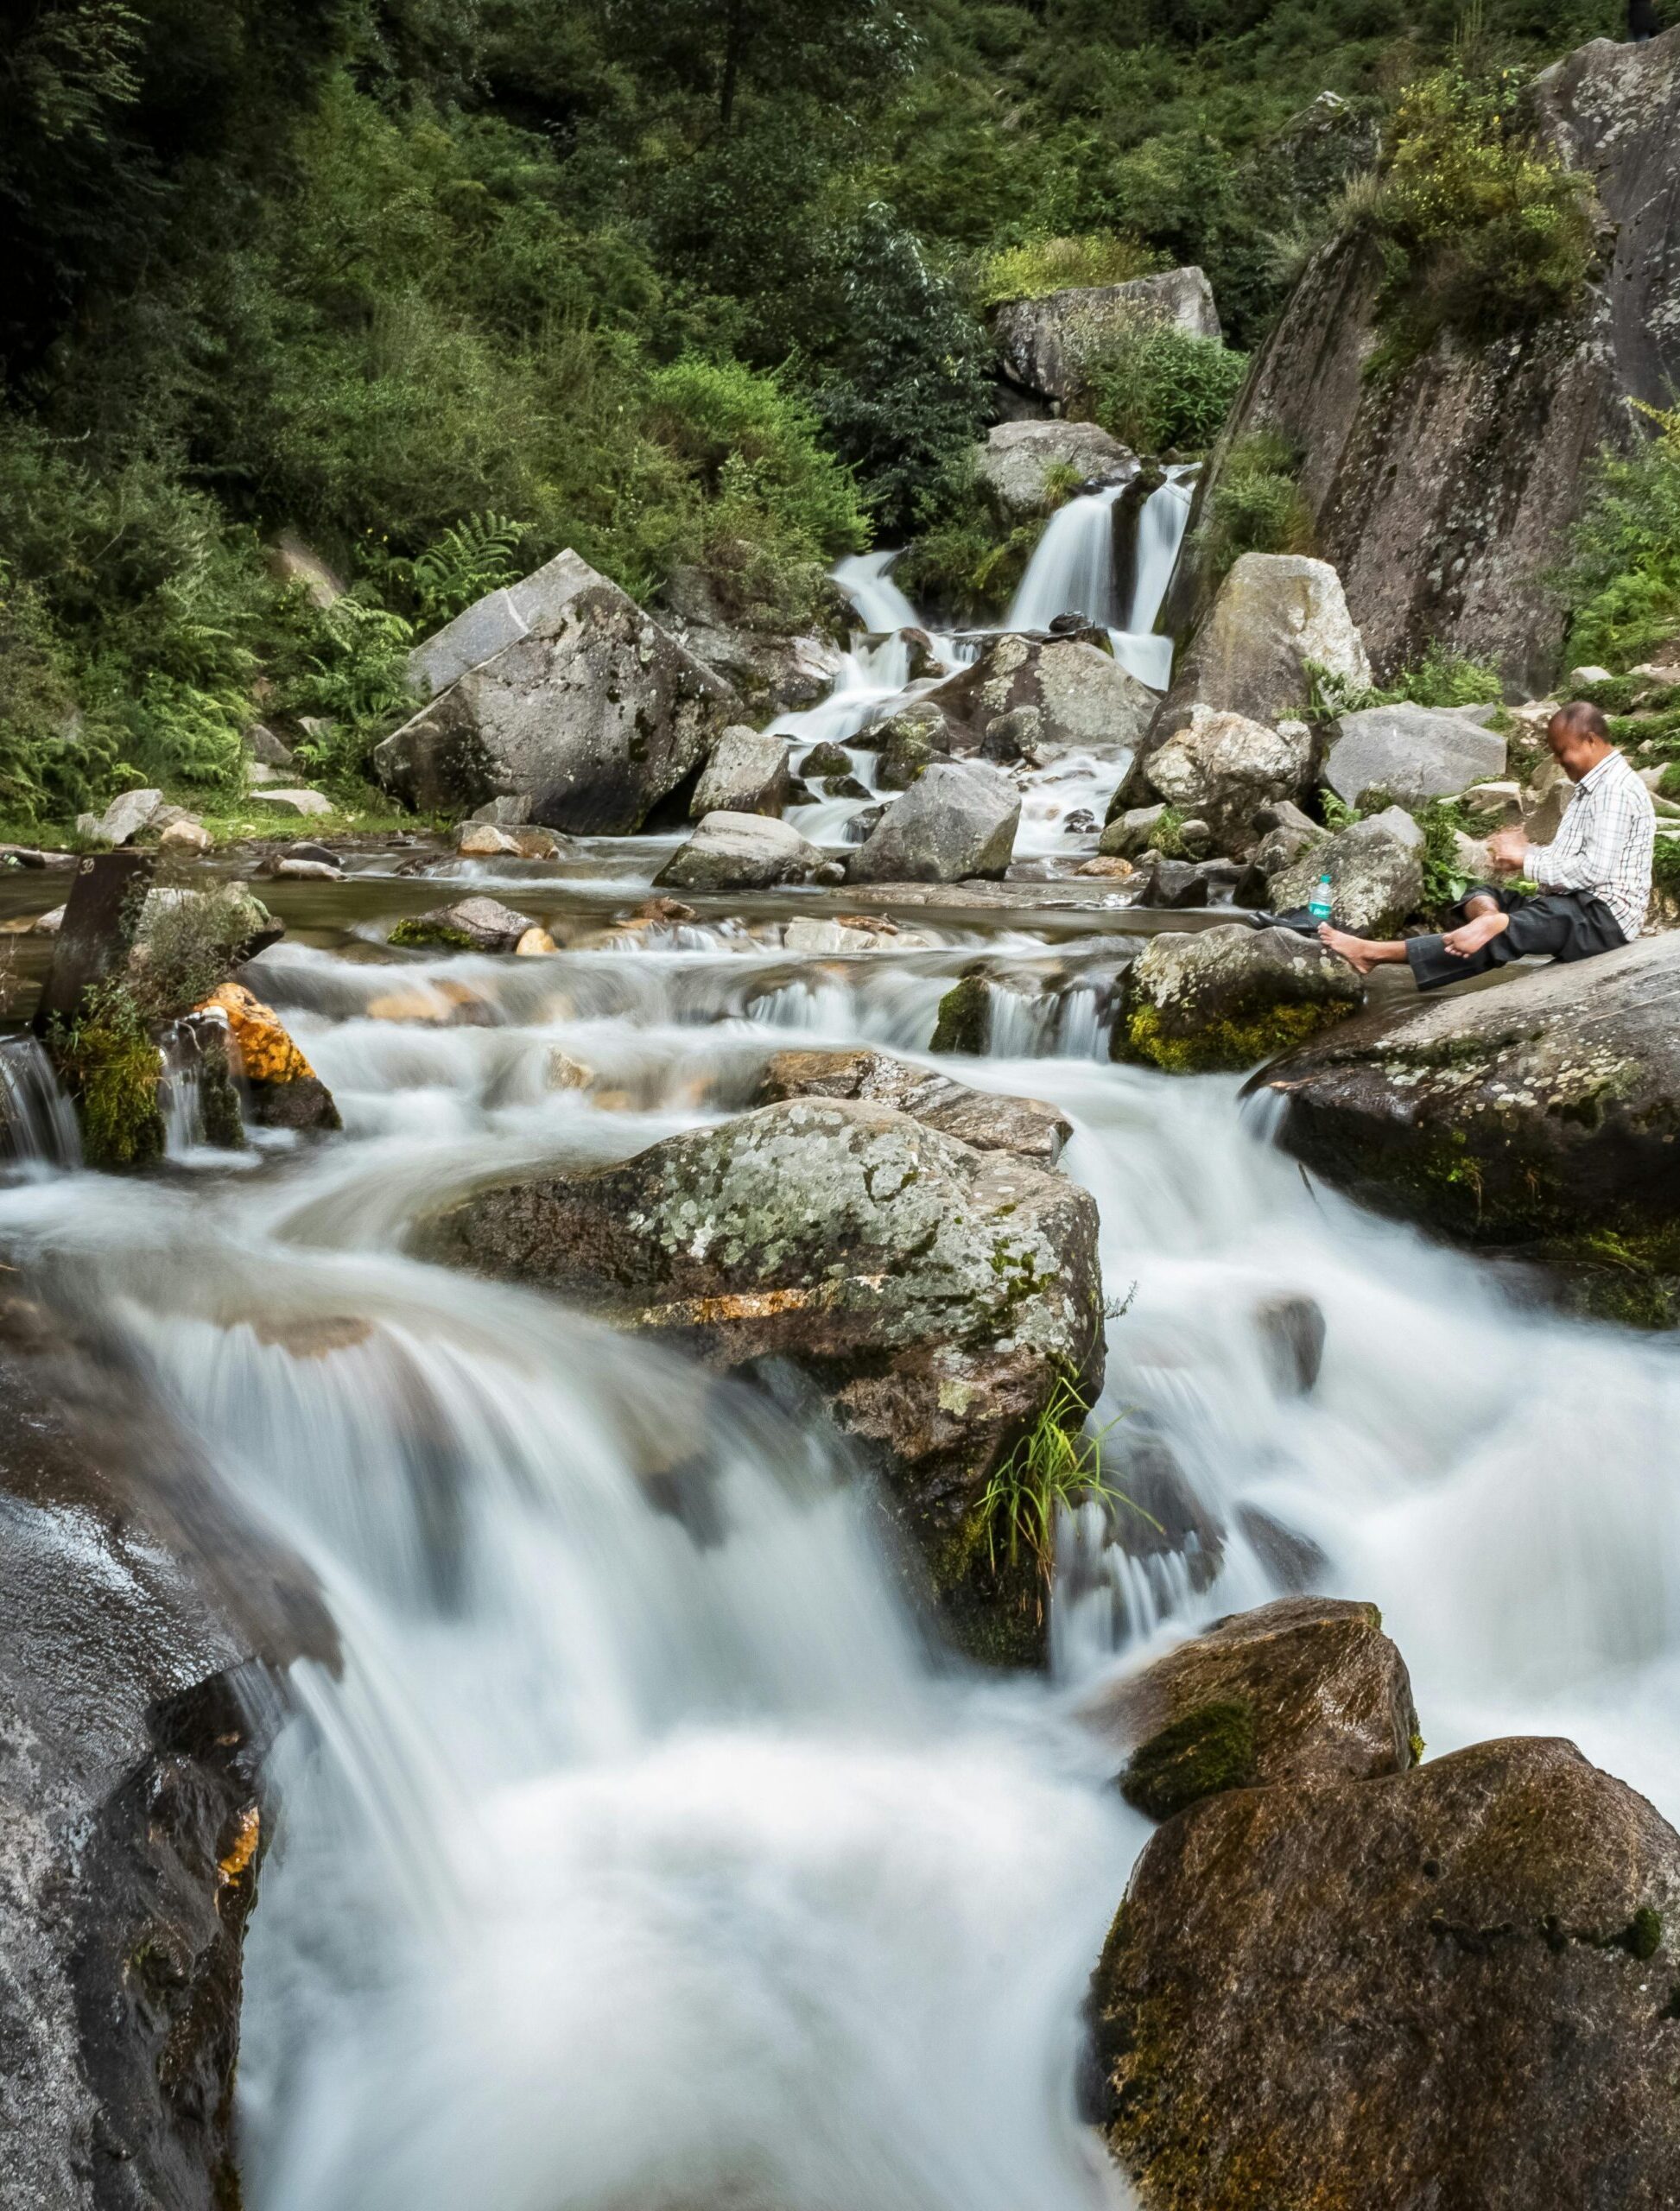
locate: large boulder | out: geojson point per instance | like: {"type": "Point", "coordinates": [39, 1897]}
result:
{"type": "Point", "coordinates": [1222, 769]}
{"type": "Point", "coordinates": [1278, 616]}
{"type": "Point", "coordinates": [1020, 462]}
{"type": "Point", "coordinates": [147, 1632]}
{"type": "Point", "coordinates": [990, 1120]}
{"type": "Point", "coordinates": [958, 820]}
{"type": "Point", "coordinates": [1376, 871]}
{"type": "Point", "coordinates": [1448, 1986]}
{"type": "Point", "coordinates": [1539, 1113]}
{"type": "Point", "coordinates": [1412, 753]}
{"type": "Point", "coordinates": [1445, 513]}
{"type": "Point", "coordinates": [1050, 346]}
{"type": "Point", "coordinates": [1304, 1688]}
{"type": "Point", "coordinates": [747, 773]}
{"type": "Point", "coordinates": [1028, 695]}
{"type": "Point", "coordinates": [739, 851]}
{"type": "Point", "coordinates": [935, 1296]}
{"type": "Point", "coordinates": [562, 691]}
{"type": "Point", "coordinates": [1222, 998]}
{"type": "Point", "coordinates": [775, 671]}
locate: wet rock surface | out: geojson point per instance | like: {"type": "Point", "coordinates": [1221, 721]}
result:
{"type": "Point", "coordinates": [989, 1120]}
{"type": "Point", "coordinates": [956, 821]}
{"type": "Point", "coordinates": [1448, 1986]}
{"type": "Point", "coordinates": [146, 1633]}
{"type": "Point", "coordinates": [933, 1294]}
{"type": "Point", "coordinates": [747, 773]}
{"type": "Point", "coordinates": [738, 851]}
{"type": "Point", "coordinates": [1537, 1114]}
{"type": "Point", "coordinates": [1024, 695]}
{"type": "Point", "coordinates": [592, 712]}
{"type": "Point", "coordinates": [470, 925]}
{"type": "Point", "coordinates": [282, 1090]}
{"type": "Point", "coordinates": [1226, 996]}
{"type": "Point", "coordinates": [1306, 1689]}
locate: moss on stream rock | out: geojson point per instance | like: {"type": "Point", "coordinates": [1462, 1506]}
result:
{"type": "Point", "coordinates": [1448, 1985]}
{"type": "Point", "coordinates": [1540, 1117]}
{"type": "Point", "coordinates": [1224, 999]}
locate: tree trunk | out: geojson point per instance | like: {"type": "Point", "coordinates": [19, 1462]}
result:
{"type": "Point", "coordinates": [734, 40]}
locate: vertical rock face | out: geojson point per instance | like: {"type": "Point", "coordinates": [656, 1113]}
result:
{"type": "Point", "coordinates": [562, 691]}
{"type": "Point", "coordinates": [1277, 616]}
{"type": "Point", "coordinates": [1443, 495]}
{"type": "Point", "coordinates": [135, 1676]}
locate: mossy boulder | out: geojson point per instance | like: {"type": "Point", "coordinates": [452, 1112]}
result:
{"type": "Point", "coordinates": [1451, 1985]}
{"type": "Point", "coordinates": [1304, 1688]}
{"type": "Point", "coordinates": [936, 1296]}
{"type": "Point", "coordinates": [963, 1022]}
{"type": "Point", "coordinates": [1540, 1117]}
{"type": "Point", "coordinates": [470, 925]}
{"type": "Point", "coordinates": [1223, 999]}
{"type": "Point", "coordinates": [990, 1120]}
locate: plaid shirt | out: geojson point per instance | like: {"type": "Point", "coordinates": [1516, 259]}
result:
{"type": "Point", "coordinates": [1604, 844]}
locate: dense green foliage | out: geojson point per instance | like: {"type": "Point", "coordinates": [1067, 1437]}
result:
{"type": "Point", "coordinates": [671, 281]}
{"type": "Point", "coordinates": [1160, 388]}
{"type": "Point", "coordinates": [1624, 578]}
{"type": "Point", "coordinates": [1255, 505]}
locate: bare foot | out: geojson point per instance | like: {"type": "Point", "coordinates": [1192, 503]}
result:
{"type": "Point", "coordinates": [1482, 930]}
{"type": "Point", "coordinates": [1355, 950]}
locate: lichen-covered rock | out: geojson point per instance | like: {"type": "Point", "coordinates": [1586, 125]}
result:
{"type": "Point", "coordinates": [1445, 1986]}
{"type": "Point", "coordinates": [932, 1293]}
{"type": "Point", "coordinates": [147, 1629]}
{"type": "Point", "coordinates": [1222, 998]}
{"type": "Point", "coordinates": [739, 851]}
{"type": "Point", "coordinates": [1277, 617]}
{"type": "Point", "coordinates": [747, 773]}
{"type": "Point", "coordinates": [1019, 459]}
{"type": "Point", "coordinates": [1034, 696]}
{"type": "Point", "coordinates": [1376, 876]}
{"type": "Point", "coordinates": [1048, 347]}
{"type": "Point", "coordinates": [1445, 514]}
{"type": "Point", "coordinates": [1540, 1113]}
{"type": "Point", "coordinates": [1412, 753]}
{"type": "Point", "coordinates": [989, 1120]}
{"type": "Point", "coordinates": [470, 925]}
{"type": "Point", "coordinates": [1304, 1688]}
{"type": "Point", "coordinates": [909, 741]}
{"type": "Point", "coordinates": [1222, 768]}
{"type": "Point", "coordinates": [585, 707]}
{"type": "Point", "coordinates": [957, 819]}
{"type": "Point", "coordinates": [281, 1088]}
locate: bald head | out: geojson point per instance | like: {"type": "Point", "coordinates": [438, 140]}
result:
{"type": "Point", "coordinates": [1580, 738]}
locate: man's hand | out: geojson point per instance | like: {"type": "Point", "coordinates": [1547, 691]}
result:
{"type": "Point", "coordinates": [1507, 848]}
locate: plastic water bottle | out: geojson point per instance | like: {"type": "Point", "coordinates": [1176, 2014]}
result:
{"type": "Point", "coordinates": [1319, 907]}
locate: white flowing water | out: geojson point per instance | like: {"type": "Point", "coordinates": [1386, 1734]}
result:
{"type": "Point", "coordinates": [643, 1853]}
{"type": "Point", "coordinates": [1073, 571]}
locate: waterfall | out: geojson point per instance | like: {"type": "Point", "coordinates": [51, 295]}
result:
{"type": "Point", "coordinates": [1072, 572]}
{"type": "Point", "coordinates": [37, 1121]}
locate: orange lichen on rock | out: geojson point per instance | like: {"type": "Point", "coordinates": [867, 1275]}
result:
{"type": "Point", "coordinates": [265, 1045]}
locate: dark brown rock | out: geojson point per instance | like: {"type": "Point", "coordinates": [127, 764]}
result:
{"type": "Point", "coordinates": [102, 920]}
{"type": "Point", "coordinates": [1024, 1126]}
{"type": "Point", "coordinates": [1306, 1688]}
{"type": "Point", "coordinates": [1451, 1987]}
{"type": "Point", "coordinates": [147, 1632]}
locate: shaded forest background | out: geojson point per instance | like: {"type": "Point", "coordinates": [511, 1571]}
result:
{"type": "Point", "coordinates": [448, 286]}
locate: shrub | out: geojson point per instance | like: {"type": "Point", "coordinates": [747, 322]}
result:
{"type": "Point", "coordinates": [1482, 231]}
{"type": "Point", "coordinates": [1255, 505]}
{"type": "Point", "coordinates": [1624, 575]}
{"type": "Point", "coordinates": [1040, 266]}
{"type": "Point", "coordinates": [1161, 386]}
{"type": "Point", "coordinates": [964, 561]}
{"type": "Point", "coordinates": [112, 1069]}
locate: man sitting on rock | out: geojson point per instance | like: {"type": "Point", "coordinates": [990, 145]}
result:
{"type": "Point", "coordinates": [1594, 877]}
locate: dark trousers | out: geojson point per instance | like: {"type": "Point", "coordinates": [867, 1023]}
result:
{"type": "Point", "coordinates": [1568, 924]}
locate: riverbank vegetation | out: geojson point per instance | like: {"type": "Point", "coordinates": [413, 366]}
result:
{"type": "Point", "coordinates": [676, 285]}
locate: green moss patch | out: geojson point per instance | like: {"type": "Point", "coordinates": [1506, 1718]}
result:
{"type": "Point", "coordinates": [1209, 1748]}
{"type": "Point", "coordinates": [1242, 1038]}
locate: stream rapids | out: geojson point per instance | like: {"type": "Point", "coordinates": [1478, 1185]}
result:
{"type": "Point", "coordinates": [633, 1862]}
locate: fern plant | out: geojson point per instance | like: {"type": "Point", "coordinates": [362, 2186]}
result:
{"type": "Point", "coordinates": [476, 556]}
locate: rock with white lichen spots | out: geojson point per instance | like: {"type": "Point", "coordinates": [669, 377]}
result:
{"type": "Point", "coordinates": [933, 1296]}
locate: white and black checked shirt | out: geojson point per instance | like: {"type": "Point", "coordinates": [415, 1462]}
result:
{"type": "Point", "coordinates": [1603, 844]}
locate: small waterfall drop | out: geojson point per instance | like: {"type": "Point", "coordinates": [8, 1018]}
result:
{"type": "Point", "coordinates": [1072, 572]}
{"type": "Point", "coordinates": [37, 1121]}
